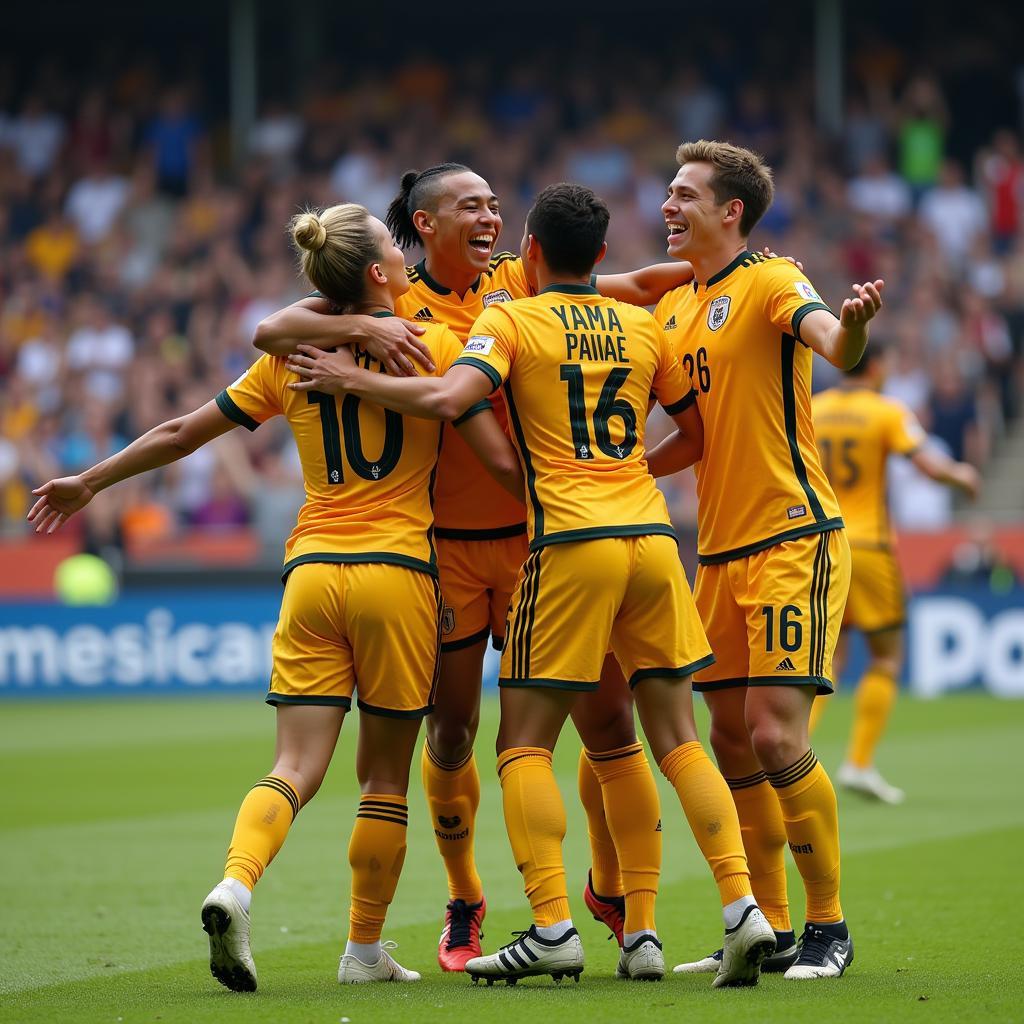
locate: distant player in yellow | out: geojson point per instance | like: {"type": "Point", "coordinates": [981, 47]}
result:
{"type": "Point", "coordinates": [362, 609]}
{"type": "Point", "coordinates": [774, 561]}
{"type": "Point", "coordinates": [577, 372]}
{"type": "Point", "coordinates": [857, 429]}
{"type": "Point", "coordinates": [453, 214]}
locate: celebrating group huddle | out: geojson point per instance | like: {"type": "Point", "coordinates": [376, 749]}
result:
{"type": "Point", "coordinates": [407, 556]}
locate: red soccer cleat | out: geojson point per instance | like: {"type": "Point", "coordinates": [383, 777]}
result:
{"type": "Point", "coordinates": [610, 910]}
{"type": "Point", "coordinates": [461, 935]}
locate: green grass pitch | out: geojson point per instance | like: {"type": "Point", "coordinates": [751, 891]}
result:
{"type": "Point", "coordinates": [116, 815]}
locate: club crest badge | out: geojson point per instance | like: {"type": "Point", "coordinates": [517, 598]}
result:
{"type": "Point", "coordinates": [447, 620]}
{"type": "Point", "coordinates": [718, 311]}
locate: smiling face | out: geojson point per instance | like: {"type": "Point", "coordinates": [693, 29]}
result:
{"type": "Point", "coordinates": [696, 222]}
{"type": "Point", "coordinates": [466, 224]}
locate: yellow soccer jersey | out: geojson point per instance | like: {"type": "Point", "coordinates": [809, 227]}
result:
{"type": "Point", "coordinates": [469, 504]}
{"type": "Point", "coordinates": [760, 481]}
{"type": "Point", "coordinates": [856, 430]}
{"type": "Point", "coordinates": [578, 371]}
{"type": "Point", "coordinates": [368, 472]}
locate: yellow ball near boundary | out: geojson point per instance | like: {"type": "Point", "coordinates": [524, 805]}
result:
{"type": "Point", "coordinates": [85, 580]}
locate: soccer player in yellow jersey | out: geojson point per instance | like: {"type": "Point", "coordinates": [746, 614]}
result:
{"type": "Point", "coordinates": [857, 429]}
{"type": "Point", "coordinates": [481, 534]}
{"type": "Point", "coordinates": [774, 562]}
{"type": "Point", "coordinates": [577, 371]}
{"type": "Point", "coordinates": [361, 609]}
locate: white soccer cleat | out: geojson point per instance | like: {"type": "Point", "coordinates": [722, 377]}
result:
{"type": "Point", "coordinates": [227, 925]}
{"type": "Point", "coordinates": [779, 962]}
{"type": "Point", "coordinates": [642, 960]}
{"type": "Point", "coordinates": [823, 953]}
{"type": "Point", "coordinates": [530, 956]}
{"type": "Point", "coordinates": [869, 782]}
{"type": "Point", "coordinates": [352, 970]}
{"type": "Point", "coordinates": [744, 949]}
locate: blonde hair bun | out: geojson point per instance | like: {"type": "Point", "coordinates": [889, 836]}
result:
{"type": "Point", "coordinates": [308, 231]}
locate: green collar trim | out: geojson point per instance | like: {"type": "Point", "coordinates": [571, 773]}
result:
{"type": "Point", "coordinates": [383, 312]}
{"type": "Point", "coordinates": [739, 261]}
{"type": "Point", "coordinates": [436, 286]}
{"type": "Point", "coordinates": [570, 289]}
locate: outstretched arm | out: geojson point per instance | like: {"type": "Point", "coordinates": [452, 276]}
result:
{"type": "Point", "coordinates": [842, 342]}
{"type": "Point", "coordinates": [645, 286]}
{"type": "Point", "coordinates": [61, 498]}
{"type": "Point", "coordinates": [940, 467]}
{"type": "Point", "coordinates": [430, 398]}
{"type": "Point", "coordinates": [483, 433]}
{"type": "Point", "coordinates": [389, 339]}
{"type": "Point", "coordinates": [680, 449]}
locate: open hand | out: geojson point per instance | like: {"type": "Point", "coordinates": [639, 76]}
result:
{"type": "Point", "coordinates": [58, 500]}
{"type": "Point", "coordinates": [856, 312]}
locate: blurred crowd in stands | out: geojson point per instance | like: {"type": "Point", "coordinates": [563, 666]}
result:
{"type": "Point", "coordinates": [136, 261]}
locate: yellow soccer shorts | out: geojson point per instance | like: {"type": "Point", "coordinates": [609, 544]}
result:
{"type": "Point", "coordinates": [477, 580]}
{"type": "Point", "coordinates": [773, 617]}
{"type": "Point", "coordinates": [365, 627]}
{"type": "Point", "coordinates": [877, 599]}
{"type": "Point", "coordinates": [573, 601]}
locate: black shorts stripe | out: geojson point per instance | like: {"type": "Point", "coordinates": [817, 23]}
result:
{"type": "Point", "coordinates": [531, 616]}
{"type": "Point", "coordinates": [520, 621]}
{"type": "Point", "coordinates": [812, 643]}
{"type": "Point", "coordinates": [439, 603]}
{"type": "Point", "coordinates": [819, 670]}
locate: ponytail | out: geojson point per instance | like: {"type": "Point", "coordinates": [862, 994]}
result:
{"type": "Point", "coordinates": [419, 191]}
{"type": "Point", "coordinates": [399, 216]}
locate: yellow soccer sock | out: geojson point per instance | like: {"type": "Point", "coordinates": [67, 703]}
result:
{"type": "Point", "coordinates": [535, 819]}
{"type": "Point", "coordinates": [634, 822]}
{"type": "Point", "coordinates": [376, 853]}
{"type": "Point", "coordinates": [876, 694]}
{"type": "Point", "coordinates": [712, 816]}
{"type": "Point", "coordinates": [604, 872]}
{"type": "Point", "coordinates": [764, 840]}
{"type": "Point", "coordinates": [453, 796]}
{"type": "Point", "coordinates": [809, 811]}
{"type": "Point", "coordinates": [266, 814]}
{"type": "Point", "coordinates": [817, 710]}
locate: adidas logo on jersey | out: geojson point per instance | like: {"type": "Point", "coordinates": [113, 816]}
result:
{"type": "Point", "coordinates": [670, 323]}
{"type": "Point", "coordinates": [424, 314]}
{"type": "Point", "coordinates": [657, 828]}
{"type": "Point", "coordinates": [786, 665]}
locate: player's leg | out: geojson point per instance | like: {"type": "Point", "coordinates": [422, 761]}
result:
{"type": "Point", "coordinates": [821, 702]}
{"type": "Point", "coordinates": [615, 781]}
{"type": "Point", "coordinates": [559, 627]}
{"type": "Point", "coordinates": [660, 641]}
{"type": "Point", "coordinates": [717, 595]}
{"type": "Point", "coordinates": [794, 606]}
{"type": "Point", "coordinates": [881, 618]}
{"type": "Point", "coordinates": [451, 781]}
{"type": "Point", "coordinates": [395, 690]}
{"type": "Point", "coordinates": [377, 845]}
{"type": "Point", "coordinates": [311, 687]}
